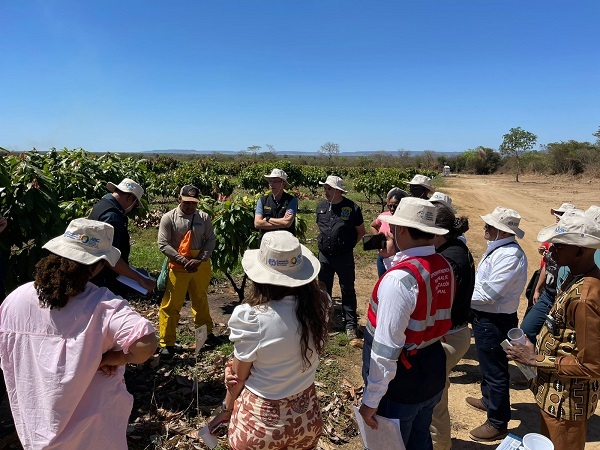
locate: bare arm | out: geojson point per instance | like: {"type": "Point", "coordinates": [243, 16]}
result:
{"type": "Point", "coordinates": [374, 227]}
{"type": "Point", "coordinates": [139, 352]}
{"type": "Point", "coordinates": [360, 231]}
{"type": "Point", "coordinates": [541, 285]}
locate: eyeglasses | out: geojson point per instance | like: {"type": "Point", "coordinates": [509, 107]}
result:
{"type": "Point", "coordinates": [392, 206]}
{"type": "Point", "coordinates": [275, 181]}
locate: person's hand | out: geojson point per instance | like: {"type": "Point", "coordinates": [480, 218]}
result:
{"type": "Point", "coordinates": [367, 414]}
{"type": "Point", "coordinates": [536, 296]}
{"type": "Point", "coordinates": [111, 360]}
{"type": "Point", "coordinates": [521, 353]}
{"type": "Point", "coordinates": [192, 265]}
{"type": "Point", "coordinates": [542, 250]}
{"type": "Point", "coordinates": [390, 246]}
{"type": "Point", "coordinates": [3, 224]}
{"type": "Point", "coordinates": [231, 379]}
{"type": "Point", "coordinates": [148, 284]}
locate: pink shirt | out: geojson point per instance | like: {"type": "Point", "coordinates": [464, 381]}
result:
{"type": "Point", "coordinates": [58, 397]}
{"type": "Point", "coordinates": [384, 227]}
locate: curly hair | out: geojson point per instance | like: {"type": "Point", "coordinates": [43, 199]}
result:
{"type": "Point", "coordinates": [445, 218]}
{"type": "Point", "coordinates": [312, 311]}
{"type": "Point", "coordinates": [58, 278]}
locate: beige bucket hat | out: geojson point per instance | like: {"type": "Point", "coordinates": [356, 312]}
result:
{"type": "Point", "coordinates": [415, 213]}
{"type": "Point", "coordinates": [128, 186]}
{"type": "Point", "coordinates": [87, 242]}
{"type": "Point", "coordinates": [505, 219]}
{"type": "Point", "coordinates": [424, 181]}
{"type": "Point", "coordinates": [444, 199]}
{"type": "Point", "coordinates": [281, 261]}
{"type": "Point", "coordinates": [564, 207]}
{"type": "Point", "coordinates": [580, 231]}
{"type": "Point", "coordinates": [278, 173]}
{"type": "Point", "coordinates": [334, 182]}
{"type": "Point", "coordinates": [593, 212]}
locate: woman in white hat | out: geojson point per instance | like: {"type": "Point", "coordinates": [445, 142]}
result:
{"type": "Point", "coordinates": [64, 343]}
{"type": "Point", "coordinates": [278, 336]}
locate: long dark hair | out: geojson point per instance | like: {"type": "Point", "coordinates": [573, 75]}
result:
{"type": "Point", "coordinates": [58, 278]}
{"type": "Point", "coordinates": [312, 312]}
{"type": "Point", "coordinates": [446, 219]}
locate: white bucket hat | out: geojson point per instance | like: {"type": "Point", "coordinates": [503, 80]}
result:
{"type": "Point", "coordinates": [422, 180]}
{"type": "Point", "coordinates": [128, 186]}
{"type": "Point", "coordinates": [580, 231]}
{"type": "Point", "coordinates": [415, 213]}
{"type": "Point", "coordinates": [505, 219]}
{"type": "Point", "coordinates": [397, 192]}
{"type": "Point", "coordinates": [334, 182]}
{"type": "Point", "coordinates": [86, 242]}
{"type": "Point", "coordinates": [564, 207]}
{"type": "Point", "coordinates": [593, 212]}
{"type": "Point", "coordinates": [444, 199]}
{"type": "Point", "coordinates": [278, 173]}
{"type": "Point", "coordinates": [281, 261]}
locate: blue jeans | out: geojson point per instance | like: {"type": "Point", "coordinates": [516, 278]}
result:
{"type": "Point", "coordinates": [490, 330]}
{"type": "Point", "coordinates": [535, 318]}
{"type": "Point", "coordinates": [415, 420]}
{"type": "Point", "coordinates": [380, 266]}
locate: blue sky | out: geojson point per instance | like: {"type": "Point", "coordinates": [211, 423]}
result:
{"type": "Point", "coordinates": [225, 75]}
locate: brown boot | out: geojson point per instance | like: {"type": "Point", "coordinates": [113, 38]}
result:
{"type": "Point", "coordinates": [487, 432]}
{"type": "Point", "coordinates": [476, 403]}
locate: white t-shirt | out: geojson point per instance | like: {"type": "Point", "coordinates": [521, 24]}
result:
{"type": "Point", "coordinates": [269, 336]}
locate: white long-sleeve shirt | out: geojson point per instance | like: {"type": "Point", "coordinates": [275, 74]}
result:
{"type": "Point", "coordinates": [501, 277]}
{"type": "Point", "coordinates": [396, 302]}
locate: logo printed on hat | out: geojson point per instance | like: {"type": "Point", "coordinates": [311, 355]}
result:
{"type": "Point", "coordinates": [272, 262]}
{"type": "Point", "coordinates": [84, 239]}
{"type": "Point", "coordinates": [426, 215]}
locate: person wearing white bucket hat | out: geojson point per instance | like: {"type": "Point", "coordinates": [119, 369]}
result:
{"type": "Point", "coordinates": [113, 209]}
{"type": "Point", "coordinates": [278, 335]}
{"type": "Point", "coordinates": [341, 227]}
{"type": "Point", "coordinates": [276, 211]}
{"type": "Point", "coordinates": [500, 280]}
{"type": "Point", "coordinates": [404, 364]}
{"type": "Point", "coordinates": [567, 353]}
{"type": "Point", "coordinates": [64, 344]}
{"type": "Point", "coordinates": [421, 187]}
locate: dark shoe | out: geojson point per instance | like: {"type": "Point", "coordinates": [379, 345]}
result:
{"type": "Point", "coordinates": [213, 341]}
{"type": "Point", "coordinates": [487, 432]}
{"type": "Point", "coordinates": [476, 403]}
{"type": "Point", "coordinates": [166, 353]}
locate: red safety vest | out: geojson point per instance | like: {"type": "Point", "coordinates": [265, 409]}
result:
{"type": "Point", "coordinates": [431, 318]}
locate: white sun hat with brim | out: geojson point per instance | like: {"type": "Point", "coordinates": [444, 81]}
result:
{"type": "Point", "coordinates": [127, 186]}
{"type": "Point", "coordinates": [415, 213]}
{"type": "Point", "coordinates": [593, 212]}
{"type": "Point", "coordinates": [444, 199]}
{"type": "Point", "coordinates": [397, 192]}
{"type": "Point", "coordinates": [281, 261]}
{"type": "Point", "coordinates": [580, 231]}
{"type": "Point", "coordinates": [335, 182]}
{"type": "Point", "coordinates": [562, 209]}
{"type": "Point", "coordinates": [278, 173]}
{"type": "Point", "coordinates": [505, 219]}
{"type": "Point", "coordinates": [87, 242]}
{"type": "Point", "coordinates": [422, 180]}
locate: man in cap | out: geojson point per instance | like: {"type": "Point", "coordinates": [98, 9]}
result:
{"type": "Point", "coordinates": [404, 364]}
{"type": "Point", "coordinates": [567, 354]}
{"type": "Point", "coordinates": [276, 211]}
{"type": "Point", "coordinates": [113, 209]}
{"type": "Point", "coordinates": [341, 227]}
{"type": "Point", "coordinates": [186, 237]}
{"type": "Point", "coordinates": [421, 187]}
{"type": "Point", "coordinates": [499, 282]}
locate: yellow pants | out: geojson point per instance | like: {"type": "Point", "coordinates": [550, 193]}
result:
{"type": "Point", "coordinates": [180, 283]}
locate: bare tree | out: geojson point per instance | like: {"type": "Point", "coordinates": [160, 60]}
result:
{"type": "Point", "coordinates": [329, 150]}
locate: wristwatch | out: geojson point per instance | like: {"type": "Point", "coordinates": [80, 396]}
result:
{"type": "Point", "coordinates": [224, 407]}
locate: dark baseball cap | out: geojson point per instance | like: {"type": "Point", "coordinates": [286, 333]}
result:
{"type": "Point", "coordinates": [190, 193]}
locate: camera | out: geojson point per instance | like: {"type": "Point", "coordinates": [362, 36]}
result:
{"type": "Point", "coordinates": [374, 242]}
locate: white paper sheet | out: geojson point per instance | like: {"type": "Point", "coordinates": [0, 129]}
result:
{"type": "Point", "coordinates": [386, 437]}
{"type": "Point", "coordinates": [134, 284]}
{"type": "Point", "coordinates": [210, 440]}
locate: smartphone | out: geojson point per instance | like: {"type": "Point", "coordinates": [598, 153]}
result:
{"type": "Point", "coordinates": [374, 242]}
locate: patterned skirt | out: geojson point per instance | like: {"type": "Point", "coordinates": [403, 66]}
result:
{"type": "Point", "coordinates": [292, 423]}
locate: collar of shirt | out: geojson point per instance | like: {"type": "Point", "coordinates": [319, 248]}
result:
{"type": "Point", "coordinates": [425, 250]}
{"type": "Point", "coordinates": [495, 244]}
{"type": "Point", "coordinates": [180, 213]}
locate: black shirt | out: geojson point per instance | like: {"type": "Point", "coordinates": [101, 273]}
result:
{"type": "Point", "coordinates": [337, 226]}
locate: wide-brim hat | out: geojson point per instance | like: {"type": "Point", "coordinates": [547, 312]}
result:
{"type": "Point", "coordinates": [87, 242]}
{"type": "Point", "coordinates": [334, 182]}
{"type": "Point", "coordinates": [281, 261]}
{"type": "Point", "coordinates": [444, 199]}
{"type": "Point", "coordinates": [505, 219]}
{"type": "Point", "coordinates": [128, 186]}
{"type": "Point", "coordinates": [580, 231]}
{"type": "Point", "coordinates": [593, 212]}
{"type": "Point", "coordinates": [564, 207]}
{"type": "Point", "coordinates": [415, 213]}
{"type": "Point", "coordinates": [278, 173]}
{"type": "Point", "coordinates": [397, 192]}
{"type": "Point", "coordinates": [422, 180]}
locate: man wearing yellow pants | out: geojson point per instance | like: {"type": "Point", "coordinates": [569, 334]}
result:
{"type": "Point", "coordinates": [187, 238]}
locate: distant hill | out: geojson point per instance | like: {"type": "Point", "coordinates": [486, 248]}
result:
{"type": "Point", "coordinates": [288, 153]}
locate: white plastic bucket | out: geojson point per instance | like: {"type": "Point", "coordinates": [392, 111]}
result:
{"type": "Point", "coordinates": [535, 441]}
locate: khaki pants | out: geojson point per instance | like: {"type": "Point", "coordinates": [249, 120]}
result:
{"type": "Point", "coordinates": [455, 345]}
{"type": "Point", "coordinates": [180, 283]}
{"type": "Point", "coordinates": [564, 434]}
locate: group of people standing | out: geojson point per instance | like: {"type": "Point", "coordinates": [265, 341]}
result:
{"type": "Point", "coordinates": [72, 336]}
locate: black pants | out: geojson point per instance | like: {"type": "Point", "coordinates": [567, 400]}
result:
{"type": "Point", "coordinates": [343, 266]}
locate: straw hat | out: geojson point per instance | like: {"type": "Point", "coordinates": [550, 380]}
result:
{"type": "Point", "coordinates": [415, 213]}
{"type": "Point", "coordinates": [281, 261]}
{"type": "Point", "coordinates": [564, 207]}
{"type": "Point", "coordinates": [278, 173]}
{"type": "Point", "coordinates": [334, 182]}
{"type": "Point", "coordinates": [505, 219]}
{"type": "Point", "coordinates": [86, 242]}
{"type": "Point", "coordinates": [580, 231]}
{"type": "Point", "coordinates": [128, 186]}
{"type": "Point", "coordinates": [422, 180]}
{"type": "Point", "coordinates": [444, 199]}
